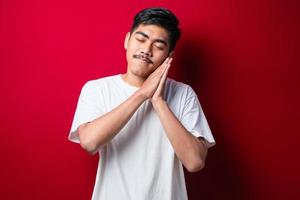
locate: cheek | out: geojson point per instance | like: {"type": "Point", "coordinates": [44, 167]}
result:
{"type": "Point", "coordinates": [161, 57]}
{"type": "Point", "coordinates": [133, 46]}
{"type": "Point", "coordinates": [130, 52]}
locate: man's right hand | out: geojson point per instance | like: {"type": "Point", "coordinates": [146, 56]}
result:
{"type": "Point", "coordinates": [152, 82]}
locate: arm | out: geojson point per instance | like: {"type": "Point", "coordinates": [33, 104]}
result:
{"type": "Point", "coordinates": [190, 150]}
{"type": "Point", "coordinates": [98, 132]}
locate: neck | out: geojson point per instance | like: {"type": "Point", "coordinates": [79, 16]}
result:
{"type": "Point", "coordinates": [133, 80]}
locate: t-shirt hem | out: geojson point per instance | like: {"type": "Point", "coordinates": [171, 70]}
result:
{"type": "Point", "coordinates": [73, 137]}
{"type": "Point", "coordinates": [210, 142]}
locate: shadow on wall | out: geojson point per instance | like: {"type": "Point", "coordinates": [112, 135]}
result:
{"type": "Point", "coordinates": [221, 178]}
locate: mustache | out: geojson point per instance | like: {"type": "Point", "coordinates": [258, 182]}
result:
{"type": "Point", "coordinates": [143, 57]}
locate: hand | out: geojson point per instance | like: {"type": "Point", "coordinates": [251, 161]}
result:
{"type": "Point", "coordinates": [158, 94]}
{"type": "Point", "coordinates": [152, 83]}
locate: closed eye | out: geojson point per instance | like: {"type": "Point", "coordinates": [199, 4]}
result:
{"type": "Point", "coordinates": [141, 38]}
{"type": "Point", "coordinates": [158, 43]}
{"type": "Point", "coordinates": [159, 47]}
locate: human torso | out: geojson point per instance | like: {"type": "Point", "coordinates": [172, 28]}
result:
{"type": "Point", "coordinates": [139, 163]}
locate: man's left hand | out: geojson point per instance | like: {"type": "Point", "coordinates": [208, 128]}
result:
{"type": "Point", "coordinates": [158, 95]}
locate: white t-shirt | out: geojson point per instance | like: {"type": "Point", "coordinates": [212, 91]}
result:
{"type": "Point", "coordinates": [139, 163]}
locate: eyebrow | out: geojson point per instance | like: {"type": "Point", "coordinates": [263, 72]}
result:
{"type": "Point", "coordinates": [156, 40]}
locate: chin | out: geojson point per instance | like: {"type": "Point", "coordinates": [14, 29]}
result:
{"type": "Point", "coordinates": [141, 71]}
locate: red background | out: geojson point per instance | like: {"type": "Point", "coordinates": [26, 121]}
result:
{"type": "Point", "coordinates": [241, 57]}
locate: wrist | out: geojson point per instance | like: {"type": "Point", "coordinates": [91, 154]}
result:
{"type": "Point", "coordinates": [141, 95]}
{"type": "Point", "coordinates": [158, 103]}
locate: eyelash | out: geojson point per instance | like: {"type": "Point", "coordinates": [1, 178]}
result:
{"type": "Point", "coordinates": [160, 48]}
{"type": "Point", "coordinates": [142, 40]}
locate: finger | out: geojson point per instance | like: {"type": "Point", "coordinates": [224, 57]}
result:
{"type": "Point", "coordinates": [166, 61]}
{"type": "Point", "coordinates": [169, 60]}
{"type": "Point", "coordinates": [166, 64]}
{"type": "Point", "coordinates": [161, 69]}
{"type": "Point", "coordinates": [163, 78]}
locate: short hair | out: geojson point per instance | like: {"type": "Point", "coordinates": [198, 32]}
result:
{"type": "Point", "coordinates": [161, 17]}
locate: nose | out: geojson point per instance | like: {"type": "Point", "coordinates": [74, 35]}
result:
{"type": "Point", "coordinates": [147, 49]}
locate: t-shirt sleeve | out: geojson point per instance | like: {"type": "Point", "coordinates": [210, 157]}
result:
{"type": "Point", "coordinates": [194, 120]}
{"type": "Point", "coordinates": [88, 108]}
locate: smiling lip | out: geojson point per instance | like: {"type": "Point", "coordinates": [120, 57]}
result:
{"type": "Point", "coordinates": [143, 58]}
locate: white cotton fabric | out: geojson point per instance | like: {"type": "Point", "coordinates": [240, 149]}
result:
{"type": "Point", "coordinates": [139, 163]}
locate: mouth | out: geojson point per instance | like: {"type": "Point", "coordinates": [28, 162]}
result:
{"type": "Point", "coordinates": [143, 58]}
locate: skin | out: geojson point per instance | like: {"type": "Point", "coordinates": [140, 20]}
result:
{"type": "Point", "coordinates": [149, 60]}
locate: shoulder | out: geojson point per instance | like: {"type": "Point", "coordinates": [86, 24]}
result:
{"type": "Point", "coordinates": [100, 82]}
{"type": "Point", "coordinates": [179, 87]}
{"type": "Point", "coordinates": [97, 86]}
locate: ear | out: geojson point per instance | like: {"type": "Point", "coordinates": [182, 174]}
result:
{"type": "Point", "coordinates": [171, 54]}
{"type": "Point", "coordinates": [126, 40]}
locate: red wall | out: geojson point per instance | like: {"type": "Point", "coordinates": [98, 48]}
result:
{"type": "Point", "coordinates": [241, 57]}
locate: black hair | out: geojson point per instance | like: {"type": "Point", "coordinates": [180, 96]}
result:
{"type": "Point", "coordinates": [161, 17]}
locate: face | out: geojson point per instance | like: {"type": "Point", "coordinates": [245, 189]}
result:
{"type": "Point", "coordinates": [147, 47]}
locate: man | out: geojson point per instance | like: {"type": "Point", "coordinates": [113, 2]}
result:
{"type": "Point", "coordinates": [144, 125]}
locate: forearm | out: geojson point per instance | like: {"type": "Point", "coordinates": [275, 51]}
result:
{"type": "Point", "coordinates": [101, 130]}
{"type": "Point", "coordinates": [190, 150]}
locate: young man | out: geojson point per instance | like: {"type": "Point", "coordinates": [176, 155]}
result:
{"type": "Point", "coordinates": [144, 125]}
